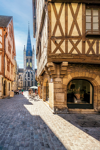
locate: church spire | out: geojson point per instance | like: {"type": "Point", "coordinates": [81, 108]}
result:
{"type": "Point", "coordinates": [28, 47]}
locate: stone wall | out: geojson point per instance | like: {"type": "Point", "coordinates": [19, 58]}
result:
{"type": "Point", "coordinates": [58, 84]}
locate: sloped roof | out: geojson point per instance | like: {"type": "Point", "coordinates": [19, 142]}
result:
{"type": "Point", "coordinates": [4, 20]}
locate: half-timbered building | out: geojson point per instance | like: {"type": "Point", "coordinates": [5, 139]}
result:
{"type": "Point", "coordinates": [67, 36]}
{"type": "Point", "coordinates": [7, 54]}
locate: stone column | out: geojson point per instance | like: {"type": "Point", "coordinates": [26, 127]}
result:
{"type": "Point", "coordinates": [60, 95]}
{"type": "Point", "coordinates": [57, 72]}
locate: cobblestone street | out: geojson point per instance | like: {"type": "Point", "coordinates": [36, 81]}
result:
{"type": "Point", "coordinates": [29, 125]}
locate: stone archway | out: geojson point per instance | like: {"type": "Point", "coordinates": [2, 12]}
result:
{"type": "Point", "coordinates": [93, 78]}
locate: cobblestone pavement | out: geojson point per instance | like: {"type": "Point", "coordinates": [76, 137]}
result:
{"type": "Point", "coordinates": [29, 125]}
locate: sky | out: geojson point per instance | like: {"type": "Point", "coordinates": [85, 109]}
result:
{"type": "Point", "coordinates": [21, 10]}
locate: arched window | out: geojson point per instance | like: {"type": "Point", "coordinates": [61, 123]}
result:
{"type": "Point", "coordinates": [80, 93]}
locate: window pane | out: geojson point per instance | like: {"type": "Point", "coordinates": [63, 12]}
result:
{"type": "Point", "coordinates": [95, 26]}
{"type": "Point", "coordinates": [88, 11]}
{"type": "Point", "coordinates": [95, 12]}
{"type": "Point", "coordinates": [95, 19]}
{"type": "Point", "coordinates": [88, 26]}
{"type": "Point", "coordinates": [88, 18]}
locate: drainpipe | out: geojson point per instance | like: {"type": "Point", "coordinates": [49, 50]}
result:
{"type": "Point", "coordinates": [4, 51]}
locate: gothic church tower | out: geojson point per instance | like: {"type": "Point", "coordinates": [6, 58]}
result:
{"type": "Point", "coordinates": [29, 64]}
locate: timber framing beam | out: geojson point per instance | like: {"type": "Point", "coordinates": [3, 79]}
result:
{"type": "Point", "coordinates": [75, 1]}
{"type": "Point", "coordinates": [72, 58]}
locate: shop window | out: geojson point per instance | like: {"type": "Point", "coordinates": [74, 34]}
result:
{"type": "Point", "coordinates": [79, 92]}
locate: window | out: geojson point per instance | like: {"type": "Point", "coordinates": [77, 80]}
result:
{"type": "Point", "coordinates": [79, 92]}
{"type": "Point", "coordinates": [31, 63]}
{"type": "Point", "coordinates": [92, 19]}
{"type": "Point", "coordinates": [32, 76]}
{"type": "Point", "coordinates": [28, 74]}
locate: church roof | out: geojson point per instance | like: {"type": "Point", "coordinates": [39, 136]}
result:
{"type": "Point", "coordinates": [29, 47]}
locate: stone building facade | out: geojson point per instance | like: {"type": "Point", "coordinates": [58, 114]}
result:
{"type": "Point", "coordinates": [7, 55]}
{"type": "Point", "coordinates": [15, 84]}
{"type": "Point", "coordinates": [20, 78]}
{"type": "Point", "coordinates": [68, 53]}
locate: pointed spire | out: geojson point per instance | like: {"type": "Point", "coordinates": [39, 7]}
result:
{"type": "Point", "coordinates": [28, 48]}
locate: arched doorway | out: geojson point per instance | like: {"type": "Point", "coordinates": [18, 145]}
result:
{"type": "Point", "coordinates": [80, 94]}
{"type": "Point", "coordinates": [4, 88]}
